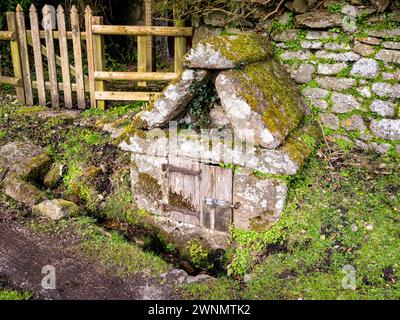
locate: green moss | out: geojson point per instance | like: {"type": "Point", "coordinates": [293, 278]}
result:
{"type": "Point", "coordinates": [134, 129]}
{"type": "Point", "coordinates": [149, 186]}
{"type": "Point", "coordinates": [178, 201]}
{"type": "Point", "coordinates": [14, 295]}
{"type": "Point", "coordinates": [30, 110]}
{"type": "Point", "coordinates": [243, 48]}
{"type": "Point", "coordinates": [302, 143]}
{"type": "Point", "coordinates": [283, 112]}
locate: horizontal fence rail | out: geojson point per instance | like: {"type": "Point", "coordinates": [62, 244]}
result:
{"type": "Point", "coordinates": [58, 57]}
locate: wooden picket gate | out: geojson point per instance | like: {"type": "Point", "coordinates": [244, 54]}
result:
{"type": "Point", "coordinates": [93, 85]}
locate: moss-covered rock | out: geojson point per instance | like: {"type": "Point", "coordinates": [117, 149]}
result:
{"type": "Point", "coordinates": [261, 101]}
{"type": "Point", "coordinates": [229, 51]}
{"type": "Point", "coordinates": [57, 209]}
{"type": "Point", "coordinates": [53, 175]}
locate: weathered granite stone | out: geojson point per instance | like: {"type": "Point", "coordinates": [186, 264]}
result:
{"type": "Point", "coordinates": [320, 35]}
{"type": "Point", "coordinates": [173, 100]}
{"type": "Point", "coordinates": [226, 52]}
{"type": "Point", "coordinates": [220, 147]}
{"type": "Point", "coordinates": [319, 19]}
{"type": "Point", "coordinates": [305, 73]}
{"type": "Point", "coordinates": [301, 55]}
{"type": "Point", "coordinates": [381, 5]}
{"type": "Point", "coordinates": [333, 46]}
{"type": "Point", "coordinates": [262, 201]}
{"type": "Point", "coordinates": [383, 89]}
{"type": "Point", "coordinates": [285, 35]}
{"type": "Point", "coordinates": [369, 40]}
{"type": "Point", "coordinates": [386, 128]}
{"type": "Point", "coordinates": [354, 123]}
{"type": "Point", "coordinates": [297, 6]}
{"type": "Point", "coordinates": [315, 93]}
{"type": "Point", "coordinates": [261, 98]}
{"type": "Point", "coordinates": [56, 209]}
{"type": "Point", "coordinates": [388, 56]}
{"type": "Point", "coordinates": [341, 56]}
{"type": "Point", "coordinates": [391, 45]}
{"type": "Point", "coordinates": [381, 148]}
{"type": "Point", "coordinates": [365, 68]}
{"type": "Point", "coordinates": [365, 92]}
{"type": "Point", "coordinates": [363, 49]}
{"type": "Point", "coordinates": [216, 19]}
{"type": "Point", "coordinates": [22, 191]}
{"type": "Point", "coordinates": [320, 104]}
{"type": "Point", "coordinates": [25, 159]}
{"type": "Point", "coordinates": [329, 69]}
{"type": "Point", "coordinates": [314, 45]}
{"type": "Point", "coordinates": [329, 120]}
{"type": "Point", "coordinates": [53, 175]}
{"type": "Point", "coordinates": [383, 108]}
{"type": "Point", "coordinates": [337, 84]}
{"type": "Point", "coordinates": [384, 33]}
{"type": "Point", "coordinates": [20, 164]}
{"type": "Point", "coordinates": [343, 103]}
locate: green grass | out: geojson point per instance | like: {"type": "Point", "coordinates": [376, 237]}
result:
{"type": "Point", "coordinates": [14, 295]}
{"type": "Point", "coordinates": [345, 215]}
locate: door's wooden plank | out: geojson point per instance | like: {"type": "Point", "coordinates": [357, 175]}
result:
{"type": "Point", "coordinates": [23, 45]}
{"type": "Point", "coordinates": [35, 38]}
{"type": "Point", "coordinates": [77, 48]}
{"type": "Point", "coordinates": [15, 56]}
{"type": "Point", "coordinates": [64, 57]}
{"type": "Point", "coordinates": [90, 56]}
{"type": "Point", "coordinates": [51, 61]}
{"type": "Point", "coordinates": [223, 184]}
{"type": "Point", "coordinates": [206, 186]}
{"type": "Point", "coordinates": [99, 61]}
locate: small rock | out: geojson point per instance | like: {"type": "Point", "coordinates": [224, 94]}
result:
{"type": "Point", "coordinates": [315, 93]}
{"type": "Point", "coordinates": [388, 129]}
{"type": "Point", "coordinates": [216, 19]}
{"type": "Point", "coordinates": [56, 209]}
{"type": "Point", "coordinates": [381, 5]}
{"type": "Point", "coordinates": [314, 45]}
{"type": "Point", "coordinates": [330, 120]}
{"type": "Point", "coordinates": [381, 148]}
{"type": "Point", "coordinates": [320, 104]}
{"type": "Point", "coordinates": [365, 68]}
{"type": "Point", "coordinates": [391, 45]}
{"type": "Point", "coordinates": [218, 117]}
{"type": "Point", "coordinates": [354, 228]}
{"type": "Point", "coordinates": [301, 55]}
{"type": "Point", "coordinates": [340, 57]}
{"type": "Point", "coordinates": [54, 175]}
{"type": "Point", "coordinates": [389, 56]}
{"type": "Point", "coordinates": [337, 84]}
{"type": "Point", "coordinates": [343, 103]}
{"type": "Point", "coordinates": [383, 108]}
{"type": "Point", "coordinates": [369, 227]}
{"type": "Point", "coordinates": [355, 123]}
{"type": "Point", "coordinates": [363, 49]}
{"type": "Point", "coordinates": [304, 73]}
{"type": "Point", "coordinates": [319, 19]}
{"type": "Point", "coordinates": [365, 92]}
{"type": "Point", "coordinates": [321, 35]}
{"type": "Point", "coordinates": [386, 90]}
{"type": "Point", "coordinates": [285, 35]}
{"type": "Point", "coordinates": [22, 191]}
{"type": "Point", "coordinates": [388, 33]}
{"type": "Point", "coordinates": [332, 46]}
{"type": "Point", "coordinates": [329, 69]}
{"type": "Point", "coordinates": [199, 278]}
{"type": "Point", "coordinates": [369, 40]}
{"type": "Point", "coordinates": [297, 6]}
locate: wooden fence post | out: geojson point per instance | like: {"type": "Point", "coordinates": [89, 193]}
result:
{"type": "Point", "coordinates": [64, 57]}
{"type": "Point", "coordinates": [90, 55]}
{"type": "Point", "coordinates": [180, 45]}
{"type": "Point", "coordinates": [37, 55]}
{"type": "Point", "coordinates": [76, 42]}
{"type": "Point", "coordinates": [144, 44]}
{"type": "Point", "coordinates": [26, 72]}
{"type": "Point", "coordinates": [15, 56]}
{"type": "Point", "coordinates": [51, 60]}
{"type": "Point", "coordinates": [148, 21]}
{"type": "Point", "coordinates": [99, 60]}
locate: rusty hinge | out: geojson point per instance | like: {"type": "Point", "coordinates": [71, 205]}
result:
{"type": "Point", "coordinates": [168, 208]}
{"type": "Point", "coordinates": [221, 203]}
{"type": "Point", "coordinates": [171, 168]}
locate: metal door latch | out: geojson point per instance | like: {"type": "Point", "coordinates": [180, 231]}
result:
{"type": "Point", "coordinates": [220, 203]}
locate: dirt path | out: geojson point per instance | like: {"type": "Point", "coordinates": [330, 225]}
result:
{"type": "Point", "coordinates": [23, 255]}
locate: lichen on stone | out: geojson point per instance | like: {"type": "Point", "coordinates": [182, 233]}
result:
{"type": "Point", "coordinates": [149, 186]}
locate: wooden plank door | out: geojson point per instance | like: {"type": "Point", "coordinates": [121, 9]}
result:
{"type": "Point", "coordinates": [183, 193]}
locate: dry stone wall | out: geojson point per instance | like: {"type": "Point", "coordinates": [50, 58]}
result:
{"type": "Point", "coordinates": [346, 59]}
